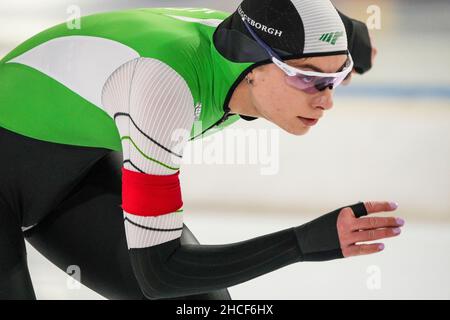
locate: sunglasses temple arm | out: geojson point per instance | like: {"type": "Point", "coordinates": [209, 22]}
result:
{"type": "Point", "coordinates": [260, 42]}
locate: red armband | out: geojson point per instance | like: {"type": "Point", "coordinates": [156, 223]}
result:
{"type": "Point", "coordinates": [150, 195]}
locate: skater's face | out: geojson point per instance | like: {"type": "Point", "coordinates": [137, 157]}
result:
{"type": "Point", "coordinates": [271, 97]}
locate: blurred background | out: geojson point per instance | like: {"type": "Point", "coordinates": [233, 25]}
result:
{"type": "Point", "coordinates": [387, 138]}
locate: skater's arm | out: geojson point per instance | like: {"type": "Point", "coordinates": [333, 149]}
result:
{"type": "Point", "coordinates": [171, 269]}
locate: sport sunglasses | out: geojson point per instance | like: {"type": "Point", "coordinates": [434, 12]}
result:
{"type": "Point", "coordinates": [307, 81]}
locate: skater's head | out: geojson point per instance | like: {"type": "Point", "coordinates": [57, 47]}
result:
{"type": "Point", "coordinates": [299, 52]}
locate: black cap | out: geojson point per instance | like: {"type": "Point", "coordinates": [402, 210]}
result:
{"type": "Point", "coordinates": [292, 28]}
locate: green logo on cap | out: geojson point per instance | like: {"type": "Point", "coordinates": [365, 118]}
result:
{"type": "Point", "coordinates": [331, 37]}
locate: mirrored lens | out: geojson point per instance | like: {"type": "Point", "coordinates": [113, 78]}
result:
{"type": "Point", "coordinates": [301, 81]}
{"type": "Point", "coordinates": [312, 84]}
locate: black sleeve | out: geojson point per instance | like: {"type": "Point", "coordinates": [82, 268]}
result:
{"type": "Point", "coordinates": [358, 43]}
{"type": "Point", "coordinates": [171, 269]}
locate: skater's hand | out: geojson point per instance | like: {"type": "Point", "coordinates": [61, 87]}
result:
{"type": "Point", "coordinates": [352, 230]}
{"type": "Point", "coordinates": [348, 79]}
